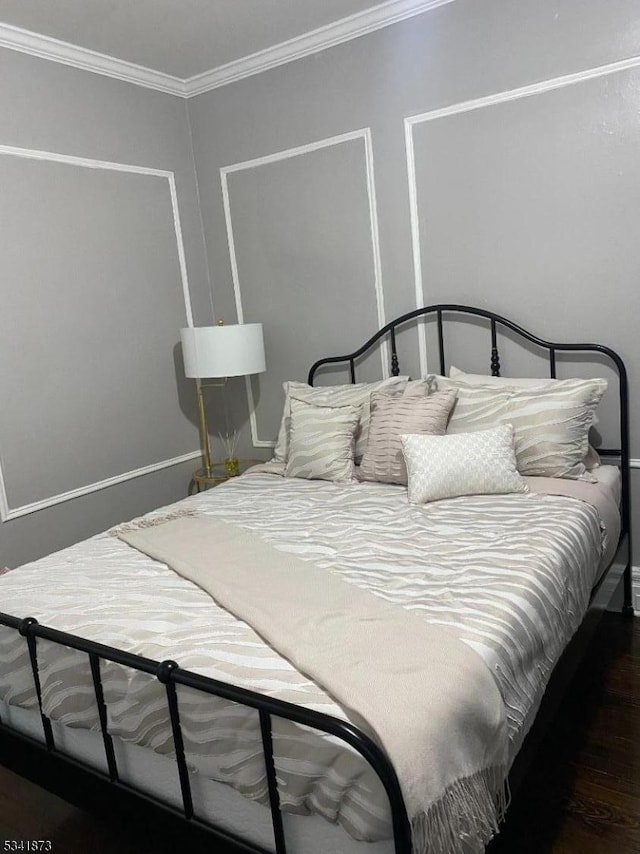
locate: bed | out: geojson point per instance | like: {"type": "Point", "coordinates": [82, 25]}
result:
{"type": "Point", "coordinates": [239, 738]}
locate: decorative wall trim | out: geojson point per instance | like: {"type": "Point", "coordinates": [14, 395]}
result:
{"type": "Point", "coordinates": [45, 47]}
{"type": "Point", "coordinates": [98, 485]}
{"type": "Point", "coordinates": [365, 135]}
{"type": "Point", "coordinates": [314, 41]}
{"type": "Point", "coordinates": [465, 107]}
{"type": "Point", "coordinates": [4, 502]}
{"type": "Point", "coordinates": [338, 32]}
{"type": "Point", "coordinates": [7, 512]}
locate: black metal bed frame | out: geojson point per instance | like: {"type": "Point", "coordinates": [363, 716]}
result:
{"type": "Point", "coordinates": [171, 675]}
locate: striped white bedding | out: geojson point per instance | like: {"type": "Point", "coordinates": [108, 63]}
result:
{"type": "Point", "coordinates": [512, 574]}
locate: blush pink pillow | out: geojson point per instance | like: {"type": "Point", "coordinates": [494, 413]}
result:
{"type": "Point", "coordinates": [393, 415]}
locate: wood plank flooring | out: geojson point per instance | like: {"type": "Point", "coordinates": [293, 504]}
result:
{"type": "Point", "coordinates": [581, 796]}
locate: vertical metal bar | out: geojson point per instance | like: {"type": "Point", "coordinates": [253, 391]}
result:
{"type": "Point", "coordinates": [495, 355]}
{"type": "Point", "coordinates": [25, 631]}
{"type": "Point", "coordinates": [395, 365]}
{"type": "Point", "coordinates": [274, 798]}
{"type": "Point", "coordinates": [165, 675]}
{"type": "Point", "coordinates": [625, 463]}
{"type": "Point", "coordinates": [627, 606]}
{"type": "Point", "coordinates": [352, 370]}
{"type": "Point", "coordinates": [112, 765]}
{"type": "Point", "coordinates": [552, 363]}
{"type": "Point", "coordinates": [441, 342]}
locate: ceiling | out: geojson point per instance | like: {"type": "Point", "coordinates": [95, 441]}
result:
{"type": "Point", "coordinates": [181, 38]}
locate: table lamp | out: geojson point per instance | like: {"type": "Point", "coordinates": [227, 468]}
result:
{"type": "Point", "coordinates": [220, 351]}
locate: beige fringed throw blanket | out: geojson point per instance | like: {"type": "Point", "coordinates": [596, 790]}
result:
{"type": "Point", "coordinates": [423, 695]}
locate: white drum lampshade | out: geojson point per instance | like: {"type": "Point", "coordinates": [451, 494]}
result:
{"type": "Point", "coordinates": [223, 351]}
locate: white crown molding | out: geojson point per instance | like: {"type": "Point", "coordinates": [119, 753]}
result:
{"type": "Point", "coordinates": [410, 122]}
{"type": "Point", "coordinates": [338, 32]}
{"type": "Point", "coordinates": [45, 47]}
{"type": "Point", "coordinates": [330, 35]}
{"type": "Point", "coordinates": [6, 511]}
{"type": "Point", "coordinates": [365, 135]}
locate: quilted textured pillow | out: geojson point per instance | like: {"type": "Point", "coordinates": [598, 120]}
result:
{"type": "Point", "coordinates": [321, 441]}
{"type": "Point", "coordinates": [392, 415]}
{"type": "Point", "coordinates": [551, 424]}
{"type": "Point", "coordinates": [358, 394]}
{"type": "Point", "coordinates": [481, 463]}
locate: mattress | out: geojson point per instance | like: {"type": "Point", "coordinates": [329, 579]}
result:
{"type": "Point", "coordinates": [510, 574]}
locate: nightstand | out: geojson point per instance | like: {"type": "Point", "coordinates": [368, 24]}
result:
{"type": "Point", "coordinates": [201, 481]}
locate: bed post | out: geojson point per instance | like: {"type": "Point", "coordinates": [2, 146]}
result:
{"type": "Point", "coordinates": [495, 355]}
{"type": "Point", "coordinates": [627, 608]}
{"type": "Point", "coordinates": [625, 468]}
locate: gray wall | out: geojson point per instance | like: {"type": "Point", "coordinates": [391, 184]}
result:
{"type": "Point", "coordinates": [526, 204]}
{"type": "Point", "coordinates": [91, 297]}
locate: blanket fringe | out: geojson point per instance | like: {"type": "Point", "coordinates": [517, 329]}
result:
{"type": "Point", "coordinates": [149, 521]}
{"type": "Point", "coordinates": [466, 817]}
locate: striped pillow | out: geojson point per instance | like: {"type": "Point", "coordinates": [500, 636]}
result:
{"type": "Point", "coordinates": [358, 394]}
{"type": "Point", "coordinates": [321, 441]}
{"type": "Point", "coordinates": [480, 463]}
{"type": "Point", "coordinates": [591, 459]}
{"type": "Point", "coordinates": [392, 415]}
{"type": "Point", "coordinates": [551, 424]}
{"type": "Point", "coordinates": [500, 382]}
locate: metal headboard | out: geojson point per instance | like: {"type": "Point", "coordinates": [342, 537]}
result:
{"type": "Point", "coordinates": [496, 321]}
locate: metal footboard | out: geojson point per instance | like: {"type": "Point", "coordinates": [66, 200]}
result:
{"type": "Point", "coordinates": [171, 675]}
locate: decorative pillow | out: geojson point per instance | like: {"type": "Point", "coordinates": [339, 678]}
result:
{"type": "Point", "coordinates": [501, 382]}
{"type": "Point", "coordinates": [392, 415]}
{"type": "Point", "coordinates": [591, 460]}
{"type": "Point", "coordinates": [422, 386]}
{"type": "Point", "coordinates": [321, 441]}
{"type": "Point", "coordinates": [357, 394]}
{"type": "Point", "coordinates": [551, 424]}
{"type": "Point", "coordinates": [482, 463]}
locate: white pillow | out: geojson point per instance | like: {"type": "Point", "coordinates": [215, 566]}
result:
{"type": "Point", "coordinates": [481, 463]}
{"type": "Point", "coordinates": [357, 394]}
{"type": "Point", "coordinates": [321, 441]}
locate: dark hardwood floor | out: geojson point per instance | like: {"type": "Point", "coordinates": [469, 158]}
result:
{"type": "Point", "coordinates": [581, 795]}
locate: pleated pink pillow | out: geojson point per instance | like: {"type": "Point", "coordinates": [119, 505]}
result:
{"type": "Point", "coordinates": [393, 415]}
